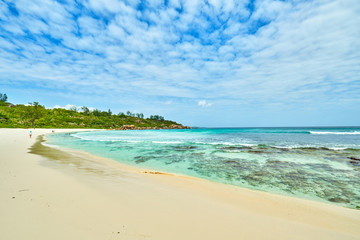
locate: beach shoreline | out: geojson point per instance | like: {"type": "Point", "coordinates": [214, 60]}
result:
{"type": "Point", "coordinates": [78, 195]}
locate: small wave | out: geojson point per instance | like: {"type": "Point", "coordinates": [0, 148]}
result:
{"type": "Point", "coordinates": [113, 140]}
{"type": "Point", "coordinates": [128, 141]}
{"type": "Point", "coordinates": [84, 138]}
{"type": "Point", "coordinates": [167, 142]}
{"type": "Point", "coordinates": [51, 145]}
{"type": "Point", "coordinates": [106, 139]}
{"type": "Point", "coordinates": [247, 144]}
{"type": "Point", "coordinates": [338, 133]}
{"type": "Point", "coordinates": [286, 147]}
{"type": "Point", "coordinates": [228, 144]}
{"type": "Point", "coordinates": [297, 147]}
{"type": "Point", "coordinates": [75, 136]}
{"type": "Point", "coordinates": [311, 147]}
{"type": "Point", "coordinates": [337, 148]}
{"type": "Point", "coordinates": [221, 143]}
{"type": "Point", "coordinates": [212, 143]}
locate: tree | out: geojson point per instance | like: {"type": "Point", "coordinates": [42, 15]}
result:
{"type": "Point", "coordinates": [73, 109]}
{"type": "Point", "coordinates": [33, 112]}
{"type": "Point", "coordinates": [104, 113]}
{"type": "Point", "coordinates": [109, 112]}
{"type": "Point", "coordinates": [3, 97]}
{"type": "Point", "coordinates": [157, 117]}
{"type": "Point", "coordinates": [140, 115]}
{"type": "Point", "coordinates": [130, 114]}
{"type": "Point", "coordinates": [85, 110]}
{"type": "Point", "coordinates": [96, 112]}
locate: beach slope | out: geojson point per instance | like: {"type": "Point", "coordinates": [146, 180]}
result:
{"type": "Point", "coordinates": [74, 195]}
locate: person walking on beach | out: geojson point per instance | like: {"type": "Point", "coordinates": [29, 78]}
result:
{"type": "Point", "coordinates": [30, 134]}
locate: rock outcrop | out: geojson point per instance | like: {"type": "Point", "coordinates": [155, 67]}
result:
{"type": "Point", "coordinates": [132, 127]}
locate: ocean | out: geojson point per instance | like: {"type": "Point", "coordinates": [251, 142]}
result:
{"type": "Point", "coordinates": [320, 164]}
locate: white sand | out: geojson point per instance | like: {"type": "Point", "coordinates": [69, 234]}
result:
{"type": "Point", "coordinates": [101, 199]}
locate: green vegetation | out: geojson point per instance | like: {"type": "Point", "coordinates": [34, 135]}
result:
{"type": "Point", "coordinates": [35, 115]}
{"type": "Point", "coordinates": [33, 112]}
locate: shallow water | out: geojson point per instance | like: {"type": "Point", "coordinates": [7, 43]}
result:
{"type": "Point", "coordinates": [314, 163]}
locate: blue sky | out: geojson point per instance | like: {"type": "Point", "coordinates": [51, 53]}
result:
{"type": "Point", "coordinates": [202, 63]}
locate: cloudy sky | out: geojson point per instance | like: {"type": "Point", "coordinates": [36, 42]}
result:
{"type": "Point", "coordinates": [201, 63]}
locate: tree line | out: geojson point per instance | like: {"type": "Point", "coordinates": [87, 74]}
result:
{"type": "Point", "coordinates": [83, 117]}
{"type": "Point", "coordinates": [96, 112]}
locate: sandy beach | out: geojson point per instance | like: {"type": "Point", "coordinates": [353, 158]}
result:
{"type": "Point", "coordinates": [74, 195]}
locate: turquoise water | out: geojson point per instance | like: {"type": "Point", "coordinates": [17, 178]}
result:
{"type": "Point", "coordinates": [314, 163]}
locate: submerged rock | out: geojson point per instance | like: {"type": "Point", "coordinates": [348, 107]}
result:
{"type": "Point", "coordinates": [256, 151]}
{"type": "Point", "coordinates": [354, 158]}
{"type": "Point", "coordinates": [338, 200]}
{"type": "Point", "coordinates": [184, 148]}
{"type": "Point", "coordinates": [141, 159]}
{"type": "Point", "coordinates": [355, 163]}
{"type": "Point", "coordinates": [235, 148]}
{"type": "Point", "coordinates": [133, 127]}
{"type": "Point", "coordinates": [233, 163]}
{"type": "Point", "coordinates": [275, 161]}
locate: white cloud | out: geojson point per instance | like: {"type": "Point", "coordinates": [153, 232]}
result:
{"type": "Point", "coordinates": [67, 106]}
{"type": "Point", "coordinates": [71, 106]}
{"type": "Point", "coordinates": [203, 103]}
{"type": "Point", "coordinates": [305, 50]}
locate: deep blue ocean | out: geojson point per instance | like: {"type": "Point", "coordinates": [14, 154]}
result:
{"type": "Point", "coordinates": [314, 163]}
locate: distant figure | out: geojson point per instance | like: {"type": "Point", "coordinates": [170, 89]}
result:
{"type": "Point", "coordinates": [53, 131]}
{"type": "Point", "coordinates": [30, 134]}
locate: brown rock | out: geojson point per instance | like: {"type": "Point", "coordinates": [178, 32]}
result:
{"type": "Point", "coordinates": [354, 158]}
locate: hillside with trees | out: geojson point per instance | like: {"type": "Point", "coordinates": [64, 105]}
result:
{"type": "Point", "coordinates": [37, 116]}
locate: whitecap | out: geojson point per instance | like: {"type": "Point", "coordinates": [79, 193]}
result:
{"type": "Point", "coordinates": [339, 133]}
{"type": "Point", "coordinates": [167, 142]}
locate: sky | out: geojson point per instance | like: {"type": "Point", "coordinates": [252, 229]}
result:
{"type": "Point", "coordinates": [207, 63]}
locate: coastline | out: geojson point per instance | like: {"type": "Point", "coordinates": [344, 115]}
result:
{"type": "Point", "coordinates": [87, 197]}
